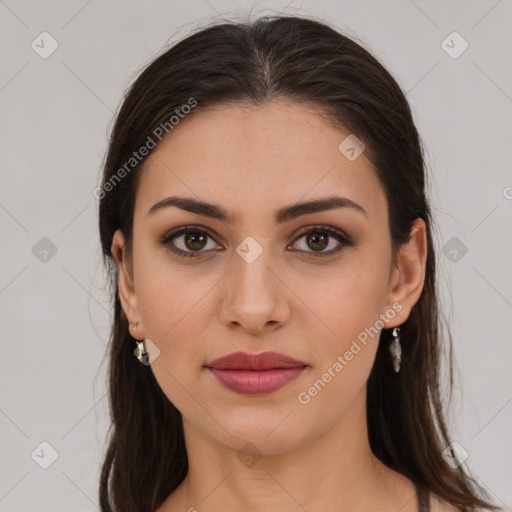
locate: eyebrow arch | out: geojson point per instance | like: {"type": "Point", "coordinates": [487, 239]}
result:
{"type": "Point", "coordinates": [282, 215]}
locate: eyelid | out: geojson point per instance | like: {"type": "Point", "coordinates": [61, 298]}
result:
{"type": "Point", "coordinates": [165, 240]}
{"type": "Point", "coordinates": [322, 227]}
{"type": "Point", "coordinates": [339, 235]}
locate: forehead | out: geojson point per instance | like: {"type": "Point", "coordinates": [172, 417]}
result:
{"type": "Point", "coordinates": [255, 158]}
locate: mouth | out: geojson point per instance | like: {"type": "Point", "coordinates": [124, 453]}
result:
{"type": "Point", "coordinates": [262, 361]}
{"type": "Point", "coordinates": [256, 374]}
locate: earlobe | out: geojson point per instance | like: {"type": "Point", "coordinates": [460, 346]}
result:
{"type": "Point", "coordinates": [126, 288]}
{"type": "Point", "coordinates": [408, 275]}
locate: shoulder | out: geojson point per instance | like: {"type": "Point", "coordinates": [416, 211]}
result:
{"type": "Point", "coordinates": [439, 505]}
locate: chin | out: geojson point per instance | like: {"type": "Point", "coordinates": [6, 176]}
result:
{"type": "Point", "coordinates": [263, 436]}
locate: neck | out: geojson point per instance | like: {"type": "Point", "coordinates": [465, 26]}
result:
{"type": "Point", "coordinates": [336, 471]}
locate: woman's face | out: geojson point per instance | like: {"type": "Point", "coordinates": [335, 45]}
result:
{"type": "Point", "coordinates": [260, 280]}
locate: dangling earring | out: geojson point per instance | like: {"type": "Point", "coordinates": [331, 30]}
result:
{"type": "Point", "coordinates": [396, 349]}
{"type": "Point", "coordinates": [140, 352]}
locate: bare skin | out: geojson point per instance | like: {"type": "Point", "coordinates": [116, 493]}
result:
{"type": "Point", "coordinates": [253, 161]}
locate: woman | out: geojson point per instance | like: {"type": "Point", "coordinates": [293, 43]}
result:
{"type": "Point", "coordinates": [264, 217]}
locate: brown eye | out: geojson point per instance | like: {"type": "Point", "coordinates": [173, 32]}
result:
{"type": "Point", "coordinates": [317, 239]}
{"type": "Point", "coordinates": [195, 241]}
{"type": "Point", "coordinates": [192, 241]}
{"type": "Point", "coordinates": [188, 241]}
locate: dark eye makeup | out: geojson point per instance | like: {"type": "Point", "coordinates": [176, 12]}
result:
{"type": "Point", "coordinates": [319, 232]}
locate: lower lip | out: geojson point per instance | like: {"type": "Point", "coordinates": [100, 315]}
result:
{"type": "Point", "coordinates": [256, 382]}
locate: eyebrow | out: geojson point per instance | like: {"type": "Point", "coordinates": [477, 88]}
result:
{"type": "Point", "coordinates": [284, 214]}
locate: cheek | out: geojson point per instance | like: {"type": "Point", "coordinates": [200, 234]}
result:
{"type": "Point", "coordinates": [348, 333]}
{"type": "Point", "coordinates": [172, 309]}
{"type": "Point", "coordinates": [345, 351]}
{"type": "Point", "coordinates": [168, 294]}
{"type": "Point", "coordinates": [174, 317]}
{"type": "Point", "coordinates": [349, 303]}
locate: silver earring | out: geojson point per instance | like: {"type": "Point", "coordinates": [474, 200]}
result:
{"type": "Point", "coordinates": [140, 352]}
{"type": "Point", "coordinates": [396, 349]}
{"type": "Point", "coordinates": [133, 326]}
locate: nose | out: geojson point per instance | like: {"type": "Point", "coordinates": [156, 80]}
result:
{"type": "Point", "coordinates": [254, 296]}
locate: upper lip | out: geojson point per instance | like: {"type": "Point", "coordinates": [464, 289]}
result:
{"type": "Point", "coordinates": [262, 361]}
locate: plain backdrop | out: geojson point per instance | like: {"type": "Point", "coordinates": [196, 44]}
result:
{"type": "Point", "coordinates": [55, 115]}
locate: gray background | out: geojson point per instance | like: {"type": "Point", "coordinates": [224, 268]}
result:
{"type": "Point", "coordinates": [55, 116]}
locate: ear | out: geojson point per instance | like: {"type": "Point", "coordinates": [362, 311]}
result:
{"type": "Point", "coordinates": [408, 274]}
{"type": "Point", "coordinates": [126, 288]}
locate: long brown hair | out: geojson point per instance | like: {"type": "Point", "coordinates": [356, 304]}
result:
{"type": "Point", "coordinates": [300, 60]}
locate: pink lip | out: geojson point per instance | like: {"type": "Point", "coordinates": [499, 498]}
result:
{"type": "Point", "coordinates": [254, 374]}
{"type": "Point", "coordinates": [262, 361]}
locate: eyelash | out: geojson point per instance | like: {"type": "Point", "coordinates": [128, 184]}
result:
{"type": "Point", "coordinates": [332, 232]}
